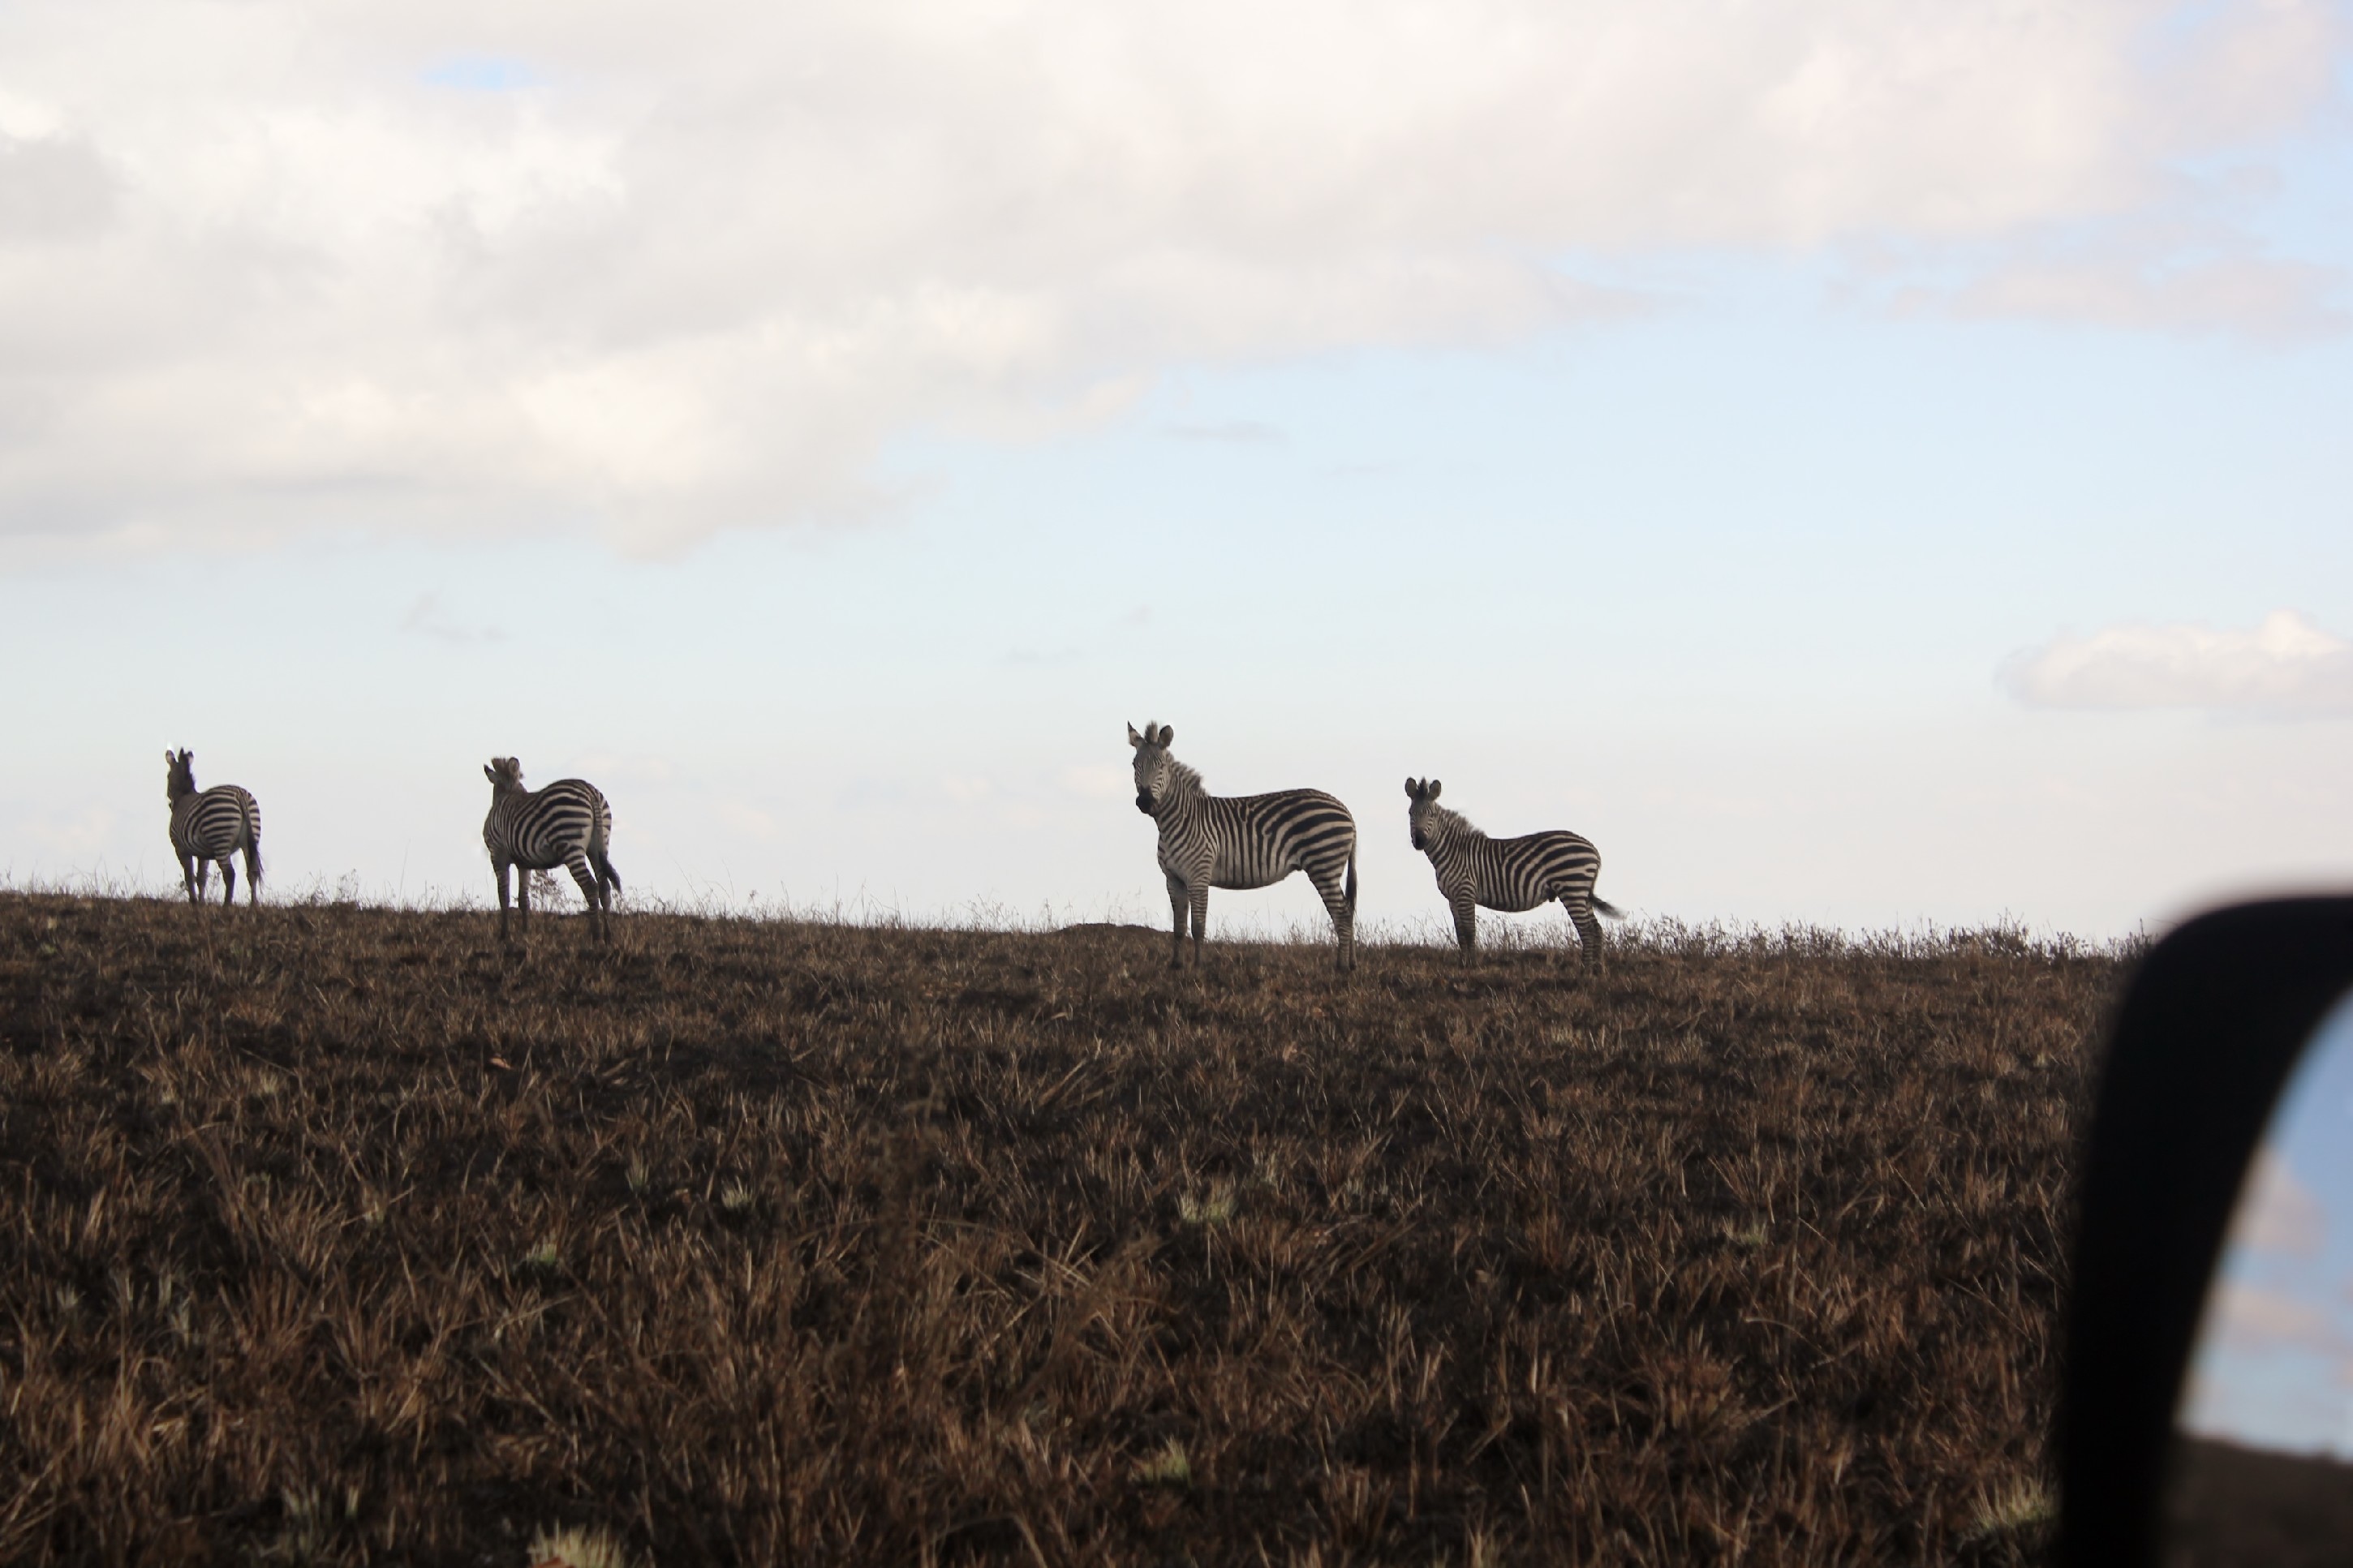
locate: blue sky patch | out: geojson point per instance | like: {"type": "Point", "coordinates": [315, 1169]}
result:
{"type": "Point", "coordinates": [483, 73]}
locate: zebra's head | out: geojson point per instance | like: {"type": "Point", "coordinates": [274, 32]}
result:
{"type": "Point", "coordinates": [504, 773]}
{"type": "Point", "coordinates": [179, 773]}
{"type": "Point", "coordinates": [1151, 764]}
{"type": "Point", "coordinates": [1421, 818]}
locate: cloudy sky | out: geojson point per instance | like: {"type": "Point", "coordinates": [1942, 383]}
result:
{"type": "Point", "coordinates": [1858, 462]}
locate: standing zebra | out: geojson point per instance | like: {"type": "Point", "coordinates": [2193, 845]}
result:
{"type": "Point", "coordinates": [568, 824]}
{"type": "Point", "coordinates": [1508, 874]}
{"type": "Point", "coordinates": [1242, 841]}
{"type": "Point", "coordinates": [209, 827]}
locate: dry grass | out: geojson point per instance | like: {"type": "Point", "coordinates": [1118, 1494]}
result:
{"type": "Point", "coordinates": [346, 1238]}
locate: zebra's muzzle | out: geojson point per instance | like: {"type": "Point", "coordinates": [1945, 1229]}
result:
{"type": "Point", "coordinates": [1418, 844]}
{"type": "Point", "coordinates": [1144, 802]}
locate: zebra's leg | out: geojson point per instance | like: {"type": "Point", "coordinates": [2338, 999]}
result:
{"type": "Point", "coordinates": [605, 878]}
{"type": "Point", "coordinates": [228, 880]}
{"type": "Point", "coordinates": [253, 875]}
{"type": "Point", "coordinates": [188, 875]}
{"type": "Point", "coordinates": [577, 864]}
{"type": "Point", "coordinates": [1200, 903]}
{"type": "Point", "coordinates": [1348, 907]}
{"type": "Point", "coordinates": [1344, 918]}
{"type": "Point", "coordinates": [1589, 929]}
{"type": "Point", "coordinates": [1176, 906]}
{"type": "Point", "coordinates": [499, 867]}
{"type": "Point", "coordinates": [204, 879]}
{"type": "Point", "coordinates": [1466, 926]}
{"type": "Point", "coordinates": [522, 894]}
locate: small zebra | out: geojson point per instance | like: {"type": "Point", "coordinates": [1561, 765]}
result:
{"type": "Point", "coordinates": [1507, 874]}
{"type": "Point", "coordinates": [1242, 841]}
{"type": "Point", "coordinates": [568, 824]}
{"type": "Point", "coordinates": [211, 825]}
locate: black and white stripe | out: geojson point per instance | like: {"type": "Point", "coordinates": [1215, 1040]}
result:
{"type": "Point", "coordinates": [1242, 841]}
{"type": "Point", "coordinates": [568, 824]}
{"type": "Point", "coordinates": [210, 825]}
{"type": "Point", "coordinates": [1507, 874]}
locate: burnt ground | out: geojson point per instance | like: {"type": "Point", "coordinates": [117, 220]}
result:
{"type": "Point", "coordinates": [347, 1235]}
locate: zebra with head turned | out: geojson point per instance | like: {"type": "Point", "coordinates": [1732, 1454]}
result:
{"type": "Point", "coordinates": [1507, 874]}
{"type": "Point", "coordinates": [211, 825]}
{"type": "Point", "coordinates": [1242, 841]}
{"type": "Point", "coordinates": [568, 824]}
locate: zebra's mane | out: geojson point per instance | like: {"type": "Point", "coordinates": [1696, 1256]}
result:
{"type": "Point", "coordinates": [1186, 780]}
{"type": "Point", "coordinates": [1456, 824]}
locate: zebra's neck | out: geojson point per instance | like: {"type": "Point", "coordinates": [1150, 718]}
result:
{"type": "Point", "coordinates": [1448, 827]}
{"type": "Point", "coordinates": [1181, 803]}
{"type": "Point", "coordinates": [1184, 783]}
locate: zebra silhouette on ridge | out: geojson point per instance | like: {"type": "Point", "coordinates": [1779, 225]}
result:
{"type": "Point", "coordinates": [211, 825]}
{"type": "Point", "coordinates": [1508, 874]}
{"type": "Point", "coordinates": [568, 824]}
{"type": "Point", "coordinates": [1242, 841]}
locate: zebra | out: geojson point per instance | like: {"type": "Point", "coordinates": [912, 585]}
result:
{"type": "Point", "coordinates": [211, 825]}
{"type": "Point", "coordinates": [568, 824]}
{"type": "Point", "coordinates": [1508, 874]}
{"type": "Point", "coordinates": [1242, 841]}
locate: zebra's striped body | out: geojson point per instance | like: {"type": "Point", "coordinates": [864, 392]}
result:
{"type": "Point", "coordinates": [1242, 841]}
{"type": "Point", "coordinates": [1508, 874]}
{"type": "Point", "coordinates": [568, 824]}
{"type": "Point", "coordinates": [210, 825]}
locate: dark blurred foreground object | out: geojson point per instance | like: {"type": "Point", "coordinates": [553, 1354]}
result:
{"type": "Point", "coordinates": [2209, 1033]}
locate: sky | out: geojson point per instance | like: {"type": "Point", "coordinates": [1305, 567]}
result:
{"type": "Point", "coordinates": [1860, 464]}
{"type": "Point", "coordinates": [2274, 1362]}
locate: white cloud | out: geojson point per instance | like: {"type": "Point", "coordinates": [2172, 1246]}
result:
{"type": "Point", "coordinates": [2212, 281]}
{"type": "Point", "coordinates": [2286, 666]}
{"type": "Point", "coordinates": [427, 616]}
{"type": "Point", "coordinates": [1094, 782]}
{"type": "Point", "coordinates": [2277, 1213]}
{"type": "Point", "coordinates": [2191, 264]}
{"type": "Point", "coordinates": [1236, 431]}
{"type": "Point", "coordinates": [2249, 1317]}
{"type": "Point", "coordinates": [742, 817]}
{"type": "Point", "coordinates": [78, 836]}
{"type": "Point", "coordinates": [269, 267]}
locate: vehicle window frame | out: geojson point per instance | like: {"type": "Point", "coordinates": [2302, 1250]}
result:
{"type": "Point", "coordinates": [2206, 1036]}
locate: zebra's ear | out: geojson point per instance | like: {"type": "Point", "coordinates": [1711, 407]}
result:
{"type": "Point", "coordinates": [1431, 792]}
{"type": "Point", "coordinates": [1167, 734]}
{"type": "Point", "coordinates": [1133, 737]}
{"type": "Point", "coordinates": [487, 774]}
{"type": "Point", "coordinates": [1413, 788]}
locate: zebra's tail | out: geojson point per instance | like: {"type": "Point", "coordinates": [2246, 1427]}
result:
{"type": "Point", "coordinates": [252, 810]}
{"type": "Point", "coordinates": [600, 833]}
{"type": "Point", "coordinates": [1604, 907]}
{"type": "Point", "coordinates": [1348, 894]}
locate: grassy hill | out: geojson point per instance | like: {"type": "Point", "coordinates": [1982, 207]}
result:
{"type": "Point", "coordinates": [350, 1236]}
